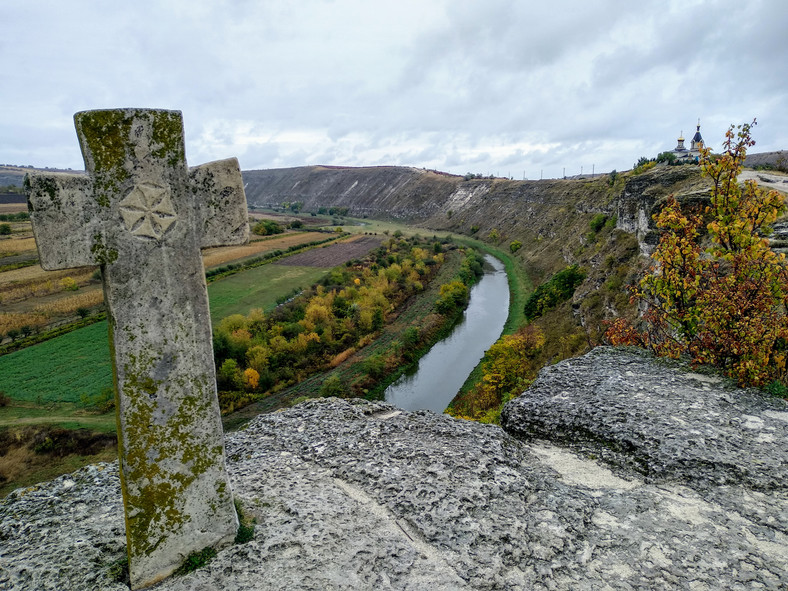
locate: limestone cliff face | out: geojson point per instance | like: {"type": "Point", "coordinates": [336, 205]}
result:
{"type": "Point", "coordinates": [620, 472]}
{"type": "Point", "coordinates": [644, 194]}
{"type": "Point", "coordinates": [384, 191]}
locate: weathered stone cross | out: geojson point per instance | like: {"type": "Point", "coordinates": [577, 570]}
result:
{"type": "Point", "coordinates": [143, 216]}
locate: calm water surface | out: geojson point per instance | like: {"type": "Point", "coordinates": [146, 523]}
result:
{"type": "Point", "coordinates": [442, 371]}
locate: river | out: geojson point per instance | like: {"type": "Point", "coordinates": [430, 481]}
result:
{"type": "Point", "coordinates": [441, 372]}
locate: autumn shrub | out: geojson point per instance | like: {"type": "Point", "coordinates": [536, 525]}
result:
{"type": "Point", "coordinates": [643, 164]}
{"type": "Point", "coordinates": [717, 292]}
{"type": "Point", "coordinates": [452, 295]}
{"type": "Point", "coordinates": [508, 367]}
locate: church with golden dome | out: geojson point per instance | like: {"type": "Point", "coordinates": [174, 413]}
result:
{"type": "Point", "coordinates": [693, 152]}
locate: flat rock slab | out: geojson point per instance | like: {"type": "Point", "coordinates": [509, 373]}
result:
{"type": "Point", "coordinates": [659, 418]}
{"type": "Point", "coordinates": [357, 495]}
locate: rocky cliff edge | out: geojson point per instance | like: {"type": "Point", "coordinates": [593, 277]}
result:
{"type": "Point", "coordinates": [623, 473]}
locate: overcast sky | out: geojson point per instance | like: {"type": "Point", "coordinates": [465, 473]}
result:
{"type": "Point", "coordinates": [513, 88]}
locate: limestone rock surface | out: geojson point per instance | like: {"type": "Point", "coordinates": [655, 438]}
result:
{"type": "Point", "coordinates": [359, 495]}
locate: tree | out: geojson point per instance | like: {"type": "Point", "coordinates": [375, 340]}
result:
{"type": "Point", "coordinates": [667, 157]}
{"type": "Point", "coordinates": [515, 245]}
{"type": "Point", "coordinates": [5, 229]}
{"type": "Point", "coordinates": [717, 292]}
{"type": "Point", "coordinates": [229, 376]}
{"type": "Point", "coordinates": [251, 378]}
{"type": "Point", "coordinates": [267, 227]}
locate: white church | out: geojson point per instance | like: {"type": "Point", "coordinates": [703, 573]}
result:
{"type": "Point", "coordinates": [693, 153]}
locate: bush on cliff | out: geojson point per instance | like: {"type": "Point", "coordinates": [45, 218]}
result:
{"type": "Point", "coordinates": [559, 288]}
{"type": "Point", "coordinates": [717, 292]}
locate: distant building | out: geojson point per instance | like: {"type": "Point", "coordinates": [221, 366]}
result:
{"type": "Point", "coordinates": [693, 153]}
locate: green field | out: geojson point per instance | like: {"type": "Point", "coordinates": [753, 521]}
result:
{"type": "Point", "coordinates": [62, 369]}
{"type": "Point", "coordinates": [258, 287]}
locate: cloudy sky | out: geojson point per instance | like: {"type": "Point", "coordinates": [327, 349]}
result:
{"type": "Point", "coordinates": [507, 87]}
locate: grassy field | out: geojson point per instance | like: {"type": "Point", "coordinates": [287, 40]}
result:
{"type": "Point", "coordinates": [59, 370]}
{"type": "Point", "coordinates": [258, 287]}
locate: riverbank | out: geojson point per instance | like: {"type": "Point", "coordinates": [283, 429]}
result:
{"type": "Point", "coordinates": [440, 373]}
{"type": "Point", "coordinates": [370, 370]}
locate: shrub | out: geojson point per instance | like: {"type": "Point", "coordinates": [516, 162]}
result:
{"type": "Point", "coordinates": [102, 402]}
{"type": "Point", "coordinates": [375, 366]}
{"type": "Point", "coordinates": [643, 164]}
{"type": "Point", "coordinates": [5, 229]}
{"type": "Point", "coordinates": [68, 284]}
{"type": "Point", "coordinates": [723, 304]}
{"type": "Point", "coordinates": [515, 245]}
{"type": "Point", "coordinates": [333, 386]}
{"type": "Point", "coordinates": [598, 222]}
{"type": "Point", "coordinates": [267, 228]}
{"type": "Point", "coordinates": [558, 289]}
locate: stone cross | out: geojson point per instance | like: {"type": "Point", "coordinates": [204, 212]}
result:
{"type": "Point", "coordinates": [143, 216]}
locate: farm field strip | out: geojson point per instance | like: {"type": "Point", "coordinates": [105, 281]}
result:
{"type": "Point", "coordinates": [333, 254]}
{"type": "Point", "coordinates": [258, 287]}
{"type": "Point", "coordinates": [213, 257]}
{"type": "Point", "coordinates": [17, 245]}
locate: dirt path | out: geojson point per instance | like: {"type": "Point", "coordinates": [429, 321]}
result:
{"type": "Point", "coordinates": [46, 419]}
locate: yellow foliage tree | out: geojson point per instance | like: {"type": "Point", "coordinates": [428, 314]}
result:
{"type": "Point", "coordinates": [251, 378]}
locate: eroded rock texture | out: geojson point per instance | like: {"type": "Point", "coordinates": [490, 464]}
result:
{"type": "Point", "coordinates": [357, 495]}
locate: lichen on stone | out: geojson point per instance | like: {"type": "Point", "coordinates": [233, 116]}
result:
{"type": "Point", "coordinates": [167, 137]}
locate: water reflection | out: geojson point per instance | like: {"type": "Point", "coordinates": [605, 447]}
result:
{"type": "Point", "coordinates": [442, 371]}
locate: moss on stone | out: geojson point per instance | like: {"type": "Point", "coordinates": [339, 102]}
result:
{"type": "Point", "coordinates": [156, 512]}
{"type": "Point", "coordinates": [101, 254]}
{"type": "Point", "coordinates": [104, 138]}
{"type": "Point", "coordinates": [167, 137]}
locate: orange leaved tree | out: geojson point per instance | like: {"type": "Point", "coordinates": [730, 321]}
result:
{"type": "Point", "coordinates": [717, 292]}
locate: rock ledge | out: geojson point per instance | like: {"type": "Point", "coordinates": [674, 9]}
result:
{"type": "Point", "coordinates": [356, 495]}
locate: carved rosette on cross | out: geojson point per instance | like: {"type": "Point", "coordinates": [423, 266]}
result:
{"type": "Point", "coordinates": [143, 216]}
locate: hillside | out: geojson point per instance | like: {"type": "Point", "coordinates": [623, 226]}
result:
{"type": "Point", "coordinates": [600, 224]}
{"type": "Point", "coordinates": [384, 191]}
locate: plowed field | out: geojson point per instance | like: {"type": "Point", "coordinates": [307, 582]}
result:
{"type": "Point", "coordinates": [333, 254]}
